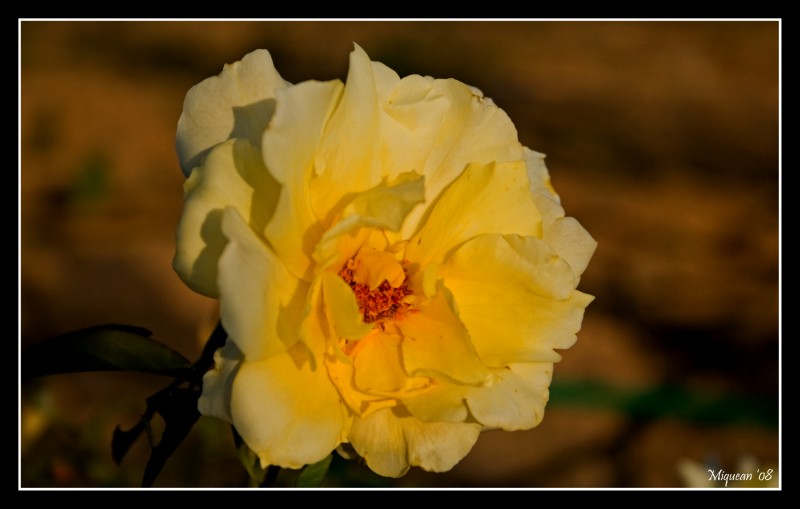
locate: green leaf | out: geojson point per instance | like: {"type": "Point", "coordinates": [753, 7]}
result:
{"type": "Point", "coordinates": [109, 347]}
{"type": "Point", "coordinates": [313, 475]}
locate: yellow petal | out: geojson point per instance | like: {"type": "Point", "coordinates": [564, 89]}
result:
{"type": "Point", "coordinates": [289, 145]}
{"type": "Point", "coordinates": [382, 207]}
{"type": "Point", "coordinates": [373, 267]}
{"type": "Point", "coordinates": [436, 344]}
{"type": "Point", "coordinates": [378, 364]}
{"type": "Point", "coordinates": [260, 301]}
{"type": "Point", "coordinates": [493, 198]}
{"type": "Point", "coordinates": [215, 401]}
{"type": "Point", "coordinates": [515, 297]}
{"type": "Point", "coordinates": [288, 414]}
{"type": "Point", "coordinates": [391, 441]}
{"type": "Point", "coordinates": [516, 400]}
{"type": "Point", "coordinates": [342, 308]}
{"type": "Point", "coordinates": [437, 127]}
{"type": "Point", "coordinates": [444, 402]}
{"type": "Point", "coordinates": [232, 175]}
{"type": "Point", "coordinates": [341, 370]}
{"type": "Point", "coordinates": [238, 103]}
{"type": "Point", "coordinates": [314, 327]}
{"type": "Point", "coordinates": [348, 157]}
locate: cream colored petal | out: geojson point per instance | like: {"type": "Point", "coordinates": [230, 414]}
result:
{"type": "Point", "coordinates": [289, 146]}
{"type": "Point", "coordinates": [538, 174]}
{"type": "Point", "coordinates": [516, 400]}
{"type": "Point", "coordinates": [260, 301]}
{"type": "Point", "coordinates": [348, 157]}
{"type": "Point", "coordinates": [342, 308]}
{"type": "Point", "coordinates": [232, 175]}
{"type": "Point", "coordinates": [492, 198]}
{"type": "Point", "coordinates": [572, 243]}
{"type": "Point", "coordinates": [391, 441]}
{"type": "Point", "coordinates": [515, 297]}
{"type": "Point", "coordinates": [215, 401]}
{"type": "Point", "coordinates": [287, 413]}
{"type": "Point", "coordinates": [436, 344]}
{"type": "Point", "coordinates": [438, 446]}
{"type": "Point", "coordinates": [238, 103]}
{"type": "Point", "coordinates": [379, 439]}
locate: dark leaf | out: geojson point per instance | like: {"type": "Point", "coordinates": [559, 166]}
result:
{"type": "Point", "coordinates": [178, 407]}
{"type": "Point", "coordinates": [102, 348]}
{"type": "Point", "coordinates": [121, 441]}
{"type": "Point", "coordinates": [313, 475]}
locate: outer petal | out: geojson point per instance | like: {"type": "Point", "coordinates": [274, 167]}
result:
{"type": "Point", "coordinates": [516, 298]}
{"type": "Point", "coordinates": [287, 413]}
{"type": "Point", "coordinates": [516, 400]}
{"type": "Point", "coordinates": [289, 145]}
{"type": "Point", "coordinates": [436, 344]}
{"type": "Point", "coordinates": [235, 104]}
{"type": "Point", "coordinates": [348, 156]}
{"type": "Point", "coordinates": [538, 174]}
{"type": "Point", "coordinates": [215, 400]}
{"type": "Point", "coordinates": [262, 304]}
{"type": "Point", "coordinates": [437, 127]}
{"type": "Point", "coordinates": [391, 441]}
{"type": "Point", "coordinates": [572, 243]}
{"type": "Point", "coordinates": [232, 175]}
{"type": "Point", "coordinates": [493, 198]}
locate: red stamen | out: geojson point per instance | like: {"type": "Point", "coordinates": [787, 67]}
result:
{"type": "Point", "coordinates": [382, 303]}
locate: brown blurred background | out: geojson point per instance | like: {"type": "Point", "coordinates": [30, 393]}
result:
{"type": "Point", "coordinates": [662, 139]}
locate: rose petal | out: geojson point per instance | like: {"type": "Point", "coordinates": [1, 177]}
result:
{"type": "Point", "coordinates": [572, 243]}
{"type": "Point", "coordinates": [382, 207]}
{"type": "Point", "coordinates": [436, 344]}
{"type": "Point", "coordinates": [538, 174]}
{"type": "Point", "coordinates": [342, 307]}
{"type": "Point", "coordinates": [232, 175]}
{"type": "Point", "coordinates": [215, 401]}
{"type": "Point", "coordinates": [391, 441]}
{"type": "Point", "coordinates": [287, 413]}
{"type": "Point", "coordinates": [235, 104]}
{"type": "Point", "coordinates": [493, 198]}
{"type": "Point", "coordinates": [515, 297]}
{"type": "Point", "coordinates": [289, 145]}
{"type": "Point", "coordinates": [347, 159]}
{"type": "Point", "coordinates": [516, 400]}
{"type": "Point", "coordinates": [378, 364]}
{"type": "Point", "coordinates": [260, 301]}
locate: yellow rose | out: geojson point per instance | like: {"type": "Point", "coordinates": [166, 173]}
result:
{"type": "Point", "coordinates": [393, 268]}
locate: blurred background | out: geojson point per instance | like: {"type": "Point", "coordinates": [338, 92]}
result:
{"type": "Point", "coordinates": [661, 137]}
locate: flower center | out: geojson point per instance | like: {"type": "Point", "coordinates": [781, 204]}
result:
{"type": "Point", "coordinates": [380, 284]}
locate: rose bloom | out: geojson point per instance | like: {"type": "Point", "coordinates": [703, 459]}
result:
{"type": "Point", "coordinates": [393, 268]}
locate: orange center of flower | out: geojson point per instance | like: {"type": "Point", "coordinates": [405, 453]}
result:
{"type": "Point", "coordinates": [382, 303]}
